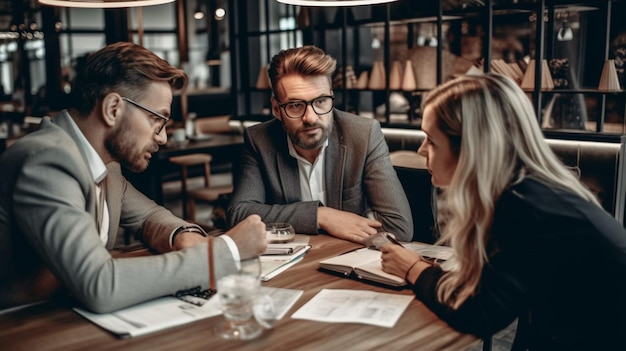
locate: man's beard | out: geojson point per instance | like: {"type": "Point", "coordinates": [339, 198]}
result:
{"type": "Point", "coordinates": [305, 143]}
{"type": "Point", "coordinates": [123, 148]}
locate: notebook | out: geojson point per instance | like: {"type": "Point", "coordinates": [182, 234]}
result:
{"type": "Point", "coordinates": [365, 263]}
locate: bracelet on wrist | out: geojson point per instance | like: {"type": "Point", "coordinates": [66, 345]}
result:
{"type": "Point", "coordinates": [406, 276]}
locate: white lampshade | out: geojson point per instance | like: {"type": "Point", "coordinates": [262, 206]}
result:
{"type": "Point", "coordinates": [334, 2]}
{"type": "Point", "coordinates": [103, 4]}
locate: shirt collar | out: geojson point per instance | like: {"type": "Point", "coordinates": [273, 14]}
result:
{"type": "Point", "coordinates": [96, 166]}
{"type": "Point", "coordinates": [294, 153]}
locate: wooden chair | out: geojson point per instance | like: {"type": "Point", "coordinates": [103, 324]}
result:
{"type": "Point", "coordinates": [207, 194]}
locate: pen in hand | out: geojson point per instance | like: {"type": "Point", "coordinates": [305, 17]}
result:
{"type": "Point", "coordinates": [392, 239]}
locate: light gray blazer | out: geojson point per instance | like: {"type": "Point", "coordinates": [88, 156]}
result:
{"type": "Point", "coordinates": [49, 239]}
{"type": "Point", "coordinates": [359, 178]}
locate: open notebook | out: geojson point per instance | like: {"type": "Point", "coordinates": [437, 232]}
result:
{"type": "Point", "coordinates": [365, 263]}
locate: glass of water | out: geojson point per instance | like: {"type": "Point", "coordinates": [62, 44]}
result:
{"type": "Point", "coordinates": [279, 233]}
{"type": "Point", "coordinates": [238, 293]}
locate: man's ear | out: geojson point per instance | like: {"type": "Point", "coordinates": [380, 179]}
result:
{"type": "Point", "coordinates": [112, 109]}
{"type": "Point", "coordinates": [276, 109]}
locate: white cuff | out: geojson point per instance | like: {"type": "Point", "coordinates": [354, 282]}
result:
{"type": "Point", "coordinates": [233, 248]}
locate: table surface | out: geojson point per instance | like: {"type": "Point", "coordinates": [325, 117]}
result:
{"type": "Point", "coordinates": [54, 326]}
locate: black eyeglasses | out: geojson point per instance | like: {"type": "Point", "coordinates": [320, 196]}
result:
{"type": "Point", "coordinates": [296, 109]}
{"type": "Point", "coordinates": [162, 118]}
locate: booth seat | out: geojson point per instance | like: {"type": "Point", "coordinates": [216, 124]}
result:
{"type": "Point", "coordinates": [599, 164]}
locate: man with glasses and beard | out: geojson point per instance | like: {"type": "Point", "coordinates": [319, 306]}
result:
{"type": "Point", "coordinates": [63, 197]}
{"type": "Point", "coordinates": [318, 168]}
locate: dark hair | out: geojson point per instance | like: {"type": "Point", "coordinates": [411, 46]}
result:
{"type": "Point", "coordinates": [305, 61]}
{"type": "Point", "coordinates": [123, 67]}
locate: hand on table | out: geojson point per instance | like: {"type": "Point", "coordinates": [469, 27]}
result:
{"type": "Point", "coordinates": [346, 225]}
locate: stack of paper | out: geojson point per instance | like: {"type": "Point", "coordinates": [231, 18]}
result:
{"type": "Point", "coordinates": [278, 257]}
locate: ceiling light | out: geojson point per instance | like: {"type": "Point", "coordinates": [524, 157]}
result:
{"type": "Point", "coordinates": [565, 32]}
{"type": "Point", "coordinates": [198, 14]}
{"type": "Point", "coordinates": [103, 4]}
{"type": "Point", "coordinates": [220, 12]}
{"type": "Point", "coordinates": [334, 2]}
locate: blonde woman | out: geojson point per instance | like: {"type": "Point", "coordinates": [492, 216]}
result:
{"type": "Point", "coordinates": [532, 242]}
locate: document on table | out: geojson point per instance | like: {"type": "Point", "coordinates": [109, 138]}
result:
{"type": "Point", "coordinates": [151, 316]}
{"type": "Point", "coordinates": [169, 311]}
{"type": "Point", "coordinates": [354, 306]}
{"type": "Point", "coordinates": [279, 257]}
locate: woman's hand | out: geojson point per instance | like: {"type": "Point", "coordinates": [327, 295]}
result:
{"type": "Point", "coordinates": [402, 262]}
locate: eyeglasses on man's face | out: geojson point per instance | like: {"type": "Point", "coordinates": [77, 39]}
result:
{"type": "Point", "coordinates": [162, 120]}
{"type": "Point", "coordinates": [296, 109]}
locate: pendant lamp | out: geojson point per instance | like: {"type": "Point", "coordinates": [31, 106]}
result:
{"type": "Point", "coordinates": [103, 4]}
{"type": "Point", "coordinates": [334, 2]}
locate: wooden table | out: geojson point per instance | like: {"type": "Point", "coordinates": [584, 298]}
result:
{"type": "Point", "coordinates": [223, 147]}
{"type": "Point", "coordinates": [54, 326]}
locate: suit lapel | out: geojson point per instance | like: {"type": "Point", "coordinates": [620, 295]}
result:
{"type": "Point", "coordinates": [335, 162]}
{"type": "Point", "coordinates": [287, 169]}
{"type": "Point", "coordinates": [114, 200]}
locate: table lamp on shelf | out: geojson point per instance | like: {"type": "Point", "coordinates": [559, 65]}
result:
{"type": "Point", "coordinates": [362, 81]}
{"type": "Point", "coordinates": [263, 81]}
{"type": "Point", "coordinates": [609, 80]}
{"type": "Point", "coordinates": [395, 76]}
{"type": "Point", "coordinates": [528, 82]}
{"type": "Point", "coordinates": [377, 77]}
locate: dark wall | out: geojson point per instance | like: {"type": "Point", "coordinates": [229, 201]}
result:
{"type": "Point", "coordinates": [204, 105]}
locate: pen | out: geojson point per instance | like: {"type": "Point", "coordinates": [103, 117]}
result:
{"type": "Point", "coordinates": [392, 239]}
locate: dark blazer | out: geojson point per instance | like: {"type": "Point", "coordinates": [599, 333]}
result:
{"type": "Point", "coordinates": [558, 263]}
{"type": "Point", "coordinates": [359, 177]}
{"type": "Point", "coordinates": [48, 234]}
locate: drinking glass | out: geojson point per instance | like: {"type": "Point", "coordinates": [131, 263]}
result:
{"type": "Point", "coordinates": [279, 232]}
{"type": "Point", "coordinates": [238, 294]}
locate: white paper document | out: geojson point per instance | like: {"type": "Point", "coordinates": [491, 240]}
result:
{"type": "Point", "coordinates": [151, 316]}
{"type": "Point", "coordinates": [272, 265]}
{"type": "Point", "coordinates": [355, 306]}
{"type": "Point", "coordinates": [283, 299]}
{"type": "Point", "coordinates": [169, 311]}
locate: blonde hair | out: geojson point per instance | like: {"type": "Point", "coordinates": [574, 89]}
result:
{"type": "Point", "coordinates": [492, 125]}
{"type": "Point", "coordinates": [305, 61]}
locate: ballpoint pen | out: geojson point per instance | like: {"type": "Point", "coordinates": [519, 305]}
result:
{"type": "Point", "coordinates": [392, 238]}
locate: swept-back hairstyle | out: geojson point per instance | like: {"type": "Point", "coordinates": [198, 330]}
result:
{"type": "Point", "coordinates": [306, 61]}
{"type": "Point", "coordinates": [492, 126]}
{"type": "Point", "coordinates": [123, 67]}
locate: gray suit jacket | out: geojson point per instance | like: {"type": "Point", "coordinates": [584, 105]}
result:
{"type": "Point", "coordinates": [48, 231]}
{"type": "Point", "coordinates": [359, 178]}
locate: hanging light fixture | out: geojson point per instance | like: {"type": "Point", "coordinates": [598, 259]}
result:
{"type": "Point", "coordinates": [334, 2]}
{"type": "Point", "coordinates": [565, 32]}
{"type": "Point", "coordinates": [103, 4]}
{"type": "Point", "coordinates": [220, 13]}
{"type": "Point", "coordinates": [198, 13]}
{"type": "Point", "coordinates": [375, 42]}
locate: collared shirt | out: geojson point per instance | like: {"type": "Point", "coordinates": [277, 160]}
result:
{"type": "Point", "coordinates": [98, 171]}
{"type": "Point", "coordinates": [312, 184]}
